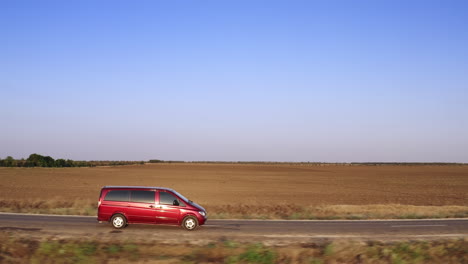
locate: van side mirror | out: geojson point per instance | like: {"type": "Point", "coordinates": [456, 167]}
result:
{"type": "Point", "coordinates": [175, 203]}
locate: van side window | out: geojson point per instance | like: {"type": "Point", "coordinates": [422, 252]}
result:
{"type": "Point", "coordinates": [117, 195]}
{"type": "Point", "coordinates": [167, 198]}
{"type": "Point", "coordinates": [142, 196]}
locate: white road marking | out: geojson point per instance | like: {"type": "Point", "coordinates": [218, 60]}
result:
{"type": "Point", "coordinates": [342, 220]}
{"type": "Point", "coordinates": [357, 236]}
{"type": "Point", "coordinates": [416, 225]}
{"type": "Point", "coordinates": [270, 220]}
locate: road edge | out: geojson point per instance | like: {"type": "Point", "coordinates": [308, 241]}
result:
{"type": "Point", "coordinates": [269, 220]}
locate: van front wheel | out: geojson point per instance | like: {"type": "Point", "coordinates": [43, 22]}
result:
{"type": "Point", "coordinates": [118, 221]}
{"type": "Point", "coordinates": [190, 223]}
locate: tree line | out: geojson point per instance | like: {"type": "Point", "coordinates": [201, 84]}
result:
{"type": "Point", "coordinates": [36, 160]}
{"type": "Point", "coordinates": [311, 163]}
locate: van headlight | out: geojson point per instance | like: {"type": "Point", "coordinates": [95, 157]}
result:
{"type": "Point", "coordinates": [202, 213]}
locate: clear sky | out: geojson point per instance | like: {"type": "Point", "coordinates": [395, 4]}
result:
{"type": "Point", "coordinates": [325, 81]}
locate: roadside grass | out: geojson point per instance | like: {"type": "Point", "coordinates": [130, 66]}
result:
{"type": "Point", "coordinates": [51, 206]}
{"type": "Point", "coordinates": [49, 250]}
{"type": "Point", "coordinates": [280, 211]}
{"type": "Point", "coordinates": [335, 212]}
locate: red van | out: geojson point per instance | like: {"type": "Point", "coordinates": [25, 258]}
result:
{"type": "Point", "coordinates": [123, 205]}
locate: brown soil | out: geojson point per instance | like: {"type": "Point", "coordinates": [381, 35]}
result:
{"type": "Point", "coordinates": [250, 184]}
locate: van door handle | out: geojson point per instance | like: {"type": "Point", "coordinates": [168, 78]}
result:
{"type": "Point", "coordinates": [151, 206]}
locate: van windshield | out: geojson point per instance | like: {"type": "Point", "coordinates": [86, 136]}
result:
{"type": "Point", "coordinates": [182, 197]}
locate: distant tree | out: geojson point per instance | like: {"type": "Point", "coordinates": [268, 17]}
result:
{"type": "Point", "coordinates": [21, 163]}
{"type": "Point", "coordinates": [9, 162]}
{"type": "Point", "coordinates": [70, 163]}
{"type": "Point", "coordinates": [35, 160]}
{"type": "Point", "coordinates": [48, 162]}
{"type": "Point", "coordinates": [60, 163]}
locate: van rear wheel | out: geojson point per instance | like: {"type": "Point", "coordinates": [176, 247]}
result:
{"type": "Point", "coordinates": [118, 221]}
{"type": "Point", "coordinates": [190, 223]}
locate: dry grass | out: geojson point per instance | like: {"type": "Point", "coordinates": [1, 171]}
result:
{"type": "Point", "coordinates": [328, 212]}
{"type": "Point", "coordinates": [52, 206]}
{"type": "Point", "coordinates": [286, 191]}
{"type": "Point", "coordinates": [290, 212]}
{"type": "Point", "coordinates": [30, 250]}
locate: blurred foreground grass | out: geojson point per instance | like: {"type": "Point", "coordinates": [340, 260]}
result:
{"type": "Point", "coordinates": [49, 250]}
{"type": "Point", "coordinates": [242, 211]}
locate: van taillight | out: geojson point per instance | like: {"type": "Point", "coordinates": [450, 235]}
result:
{"type": "Point", "coordinates": [99, 200]}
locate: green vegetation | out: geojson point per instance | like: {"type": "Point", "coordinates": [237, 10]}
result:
{"type": "Point", "coordinates": [36, 160]}
{"type": "Point", "coordinates": [20, 250]}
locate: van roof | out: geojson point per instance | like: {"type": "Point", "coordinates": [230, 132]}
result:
{"type": "Point", "coordinates": [137, 187]}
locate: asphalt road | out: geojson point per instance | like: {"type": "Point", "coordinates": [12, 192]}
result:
{"type": "Point", "coordinates": [82, 226]}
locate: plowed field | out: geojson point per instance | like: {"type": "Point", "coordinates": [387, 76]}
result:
{"type": "Point", "coordinates": [250, 184]}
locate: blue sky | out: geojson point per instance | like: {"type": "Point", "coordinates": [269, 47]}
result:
{"type": "Point", "coordinates": [328, 81]}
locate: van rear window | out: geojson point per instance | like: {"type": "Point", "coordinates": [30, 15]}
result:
{"type": "Point", "coordinates": [117, 195]}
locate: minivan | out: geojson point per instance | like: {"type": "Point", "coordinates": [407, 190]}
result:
{"type": "Point", "coordinates": [123, 205]}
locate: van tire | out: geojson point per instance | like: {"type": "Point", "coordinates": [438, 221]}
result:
{"type": "Point", "coordinates": [118, 221]}
{"type": "Point", "coordinates": [190, 223]}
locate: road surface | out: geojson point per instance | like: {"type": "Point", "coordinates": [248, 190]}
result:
{"type": "Point", "coordinates": [275, 231]}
